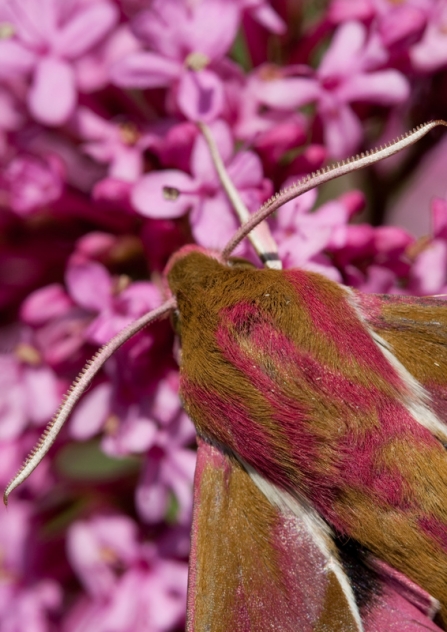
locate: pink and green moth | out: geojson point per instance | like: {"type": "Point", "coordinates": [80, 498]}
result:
{"type": "Point", "coordinates": [320, 493]}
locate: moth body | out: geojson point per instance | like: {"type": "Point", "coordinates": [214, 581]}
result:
{"type": "Point", "coordinates": [282, 369]}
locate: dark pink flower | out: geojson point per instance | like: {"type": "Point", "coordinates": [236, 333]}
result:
{"type": "Point", "coordinates": [32, 182]}
{"type": "Point", "coordinates": [24, 604]}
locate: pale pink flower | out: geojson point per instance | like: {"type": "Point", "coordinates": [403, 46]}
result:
{"type": "Point", "coordinates": [429, 271]}
{"type": "Point", "coordinates": [185, 43]}
{"type": "Point", "coordinates": [45, 39]}
{"type": "Point", "coordinates": [304, 237]}
{"type": "Point", "coordinates": [212, 219]}
{"type": "Point", "coordinates": [395, 22]}
{"type": "Point", "coordinates": [120, 146]}
{"type": "Point", "coordinates": [113, 303]}
{"type": "Point", "coordinates": [350, 71]}
{"type": "Point", "coordinates": [430, 53]}
{"type": "Point", "coordinates": [29, 391]}
{"type": "Point", "coordinates": [130, 587]}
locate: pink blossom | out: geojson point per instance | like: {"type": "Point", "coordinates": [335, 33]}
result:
{"type": "Point", "coordinates": [429, 271]}
{"type": "Point", "coordinates": [262, 12]}
{"type": "Point", "coordinates": [429, 53]}
{"type": "Point", "coordinates": [349, 72]}
{"type": "Point", "coordinates": [93, 68]}
{"type": "Point", "coordinates": [30, 392]}
{"type": "Point", "coordinates": [45, 39]}
{"type": "Point", "coordinates": [185, 43]}
{"type": "Point", "coordinates": [130, 587]}
{"type": "Point", "coordinates": [169, 466]}
{"type": "Point", "coordinates": [116, 302]}
{"type": "Point", "coordinates": [396, 23]}
{"type": "Point", "coordinates": [304, 236]}
{"type": "Point", "coordinates": [24, 604]}
{"type": "Point", "coordinates": [31, 183]}
{"type": "Point", "coordinates": [120, 146]}
{"type": "Point", "coordinates": [201, 193]}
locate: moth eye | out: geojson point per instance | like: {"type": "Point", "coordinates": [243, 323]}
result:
{"type": "Point", "coordinates": [176, 321]}
{"type": "Point", "coordinates": [239, 262]}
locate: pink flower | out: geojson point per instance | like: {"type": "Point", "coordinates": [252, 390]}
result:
{"type": "Point", "coordinates": [169, 465]}
{"type": "Point", "coordinates": [212, 218]}
{"type": "Point", "coordinates": [45, 40]}
{"type": "Point", "coordinates": [129, 586]}
{"type": "Point", "coordinates": [33, 182]}
{"type": "Point", "coordinates": [262, 12]}
{"type": "Point", "coordinates": [185, 43]}
{"type": "Point", "coordinates": [349, 72]}
{"type": "Point", "coordinates": [29, 391]}
{"type": "Point", "coordinates": [159, 427]}
{"type": "Point", "coordinates": [120, 146]}
{"type": "Point", "coordinates": [303, 236]}
{"type": "Point", "coordinates": [116, 302]}
{"type": "Point", "coordinates": [24, 604]}
{"type": "Point", "coordinates": [429, 271]}
{"type": "Point", "coordinates": [431, 52]}
{"type": "Point", "coordinates": [397, 23]}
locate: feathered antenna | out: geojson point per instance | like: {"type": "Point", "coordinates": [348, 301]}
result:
{"type": "Point", "coordinates": [325, 175]}
{"type": "Point", "coordinates": [76, 390]}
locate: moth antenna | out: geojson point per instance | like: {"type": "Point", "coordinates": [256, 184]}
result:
{"type": "Point", "coordinates": [325, 175]}
{"type": "Point", "coordinates": [261, 239]}
{"type": "Point", "coordinates": [77, 388]}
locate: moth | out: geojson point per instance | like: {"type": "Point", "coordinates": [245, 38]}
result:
{"type": "Point", "coordinates": [320, 492]}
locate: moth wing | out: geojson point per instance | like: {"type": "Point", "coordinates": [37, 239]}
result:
{"type": "Point", "coordinates": [252, 566]}
{"type": "Point", "coordinates": [416, 331]}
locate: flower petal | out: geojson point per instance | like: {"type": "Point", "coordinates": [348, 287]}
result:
{"type": "Point", "coordinates": [45, 304]}
{"type": "Point", "coordinates": [144, 70]}
{"type": "Point", "coordinates": [14, 59]}
{"type": "Point", "coordinates": [164, 194]}
{"type": "Point", "coordinates": [214, 224]}
{"type": "Point", "coordinates": [287, 93]}
{"type": "Point", "coordinates": [265, 15]}
{"type": "Point", "coordinates": [386, 87]}
{"type": "Point", "coordinates": [52, 96]}
{"type": "Point", "coordinates": [342, 131]}
{"type": "Point", "coordinates": [85, 29]}
{"type": "Point", "coordinates": [43, 395]}
{"type": "Point", "coordinates": [90, 285]}
{"type": "Point", "coordinates": [91, 413]}
{"type": "Point", "coordinates": [344, 50]}
{"type": "Point", "coordinates": [200, 95]}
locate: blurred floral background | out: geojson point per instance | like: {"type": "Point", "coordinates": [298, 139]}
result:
{"type": "Point", "coordinates": [99, 101]}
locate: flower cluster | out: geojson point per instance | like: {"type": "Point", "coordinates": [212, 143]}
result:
{"type": "Point", "coordinates": [99, 105]}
